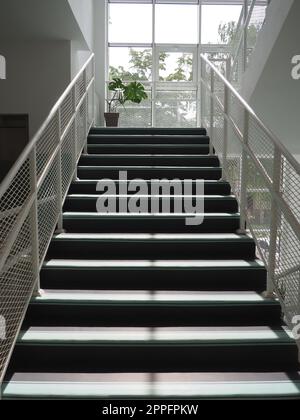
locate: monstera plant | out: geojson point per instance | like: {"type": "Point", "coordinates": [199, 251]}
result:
{"type": "Point", "coordinates": [120, 93]}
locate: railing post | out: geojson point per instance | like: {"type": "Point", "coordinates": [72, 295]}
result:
{"type": "Point", "coordinates": [244, 177]}
{"type": "Point", "coordinates": [34, 228]}
{"type": "Point", "coordinates": [60, 228]}
{"type": "Point", "coordinates": [202, 93]}
{"type": "Point", "coordinates": [212, 110]}
{"type": "Point", "coordinates": [86, 119]}
{"type": "Point", "coordinates": [226, 127]}
{"type": "Point", "coordinates": [75, 178]}
{"type": "Point", "coordinates": [275, 215]}
{"type": "Point", "coordinates": [245, 36]}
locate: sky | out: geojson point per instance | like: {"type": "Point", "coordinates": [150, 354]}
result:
{"type": "Point", "coordinates": [178, 24]}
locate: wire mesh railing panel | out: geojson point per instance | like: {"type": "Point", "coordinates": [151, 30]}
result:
{"type": "Point", "coordinates": [218, 130]}
{"type": "Point", "coordinates": [290, 187]}
{"type": "Point", "coordinates": [81, 119]}
{"type": "Point", "coordinates": [80, 88]}
{"type": "Point", "coordinates": [288, 248]}
{"type": "Point", "coordinates": [236, 111]}
{"type": "Point", "coordinates": [90, 99]}
{"type": "Point", "coordinates": [16, 282]}
{"type": "Point", "coordinates": [266, 180]}
{"type": "Point", "coordinates": [31, 202]}
{"type": "Point", "coordinates": [287, 278]}
{"type": "Point", "coordinates": [259, 208]}
{"type": "Point", "coordinates": [262, 146]}
{"type": "Point", "coordinates": [46, 144]}
{"type": "Point", "coordinates": [67, 159]}
{"type": "Point", "coordinates": [48, 206]}
{"type": "Point", "coordinates": [66, 111]}
{"type": "Point", "coordinates": [234, 162]}
{"type": "Point", "coordinates": [13, 201]}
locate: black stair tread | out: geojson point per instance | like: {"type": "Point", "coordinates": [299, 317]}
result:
{"type": "Point", "coordinates": [211, 203]}
{"type": "Point", "coordinates": [154, 265]}
{"type": "Point", "coordinates": [89, 186]}
{"type": "Point", "coordinates": [98, 350]}
{"type": "Point", "coordinates": [154, 385]}
{"type": "Point", "coordinates": [160, 160]}
{"type": "Point", "coordinates": [149, 148]}
{"type": "Point", "coordinates": [133, 167]}
{"type": "Point", "coordinates": [143, 246]}
{"type": "Point", "coordinates": [151, 223]}
{"type": "Point", "coordinates": [158, 298]}
{"type": "Point", "coordinates": [137, 216]}
{"type": "Point", "coordinates": [154, 336]}
{"type": "Point", "coordinates": [148, 130]}
{"type": "Point", "coordinates": [150, 172]}
{"type": "Point", "coordinates": [230, 275]}
{"type": "Point", "coordinates": [156, 139]}
{"type": "Point", "coordinates": [166, 238]}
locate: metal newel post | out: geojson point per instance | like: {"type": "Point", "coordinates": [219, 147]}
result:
{"type": "Point", "coordinates": [245, 36]}
{"type": "Point", "coordinates": [75, 178]}
{"type": "Point", "coordinates": [275, 218]}
{"type": "Point", "coordinates": [34, 223]}
{"type": "Point", "coordinates": [212, 108]}
{"type": "Point", "coordinates": [86, 119]}
{"type": "Point", "coordinates": [60, 228]}
{"type": "Point", "coordinates": [226, 127]}
{"type": "Point", "coordinates": [244, 176]}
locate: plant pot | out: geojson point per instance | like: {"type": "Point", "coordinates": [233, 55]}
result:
{"type": "Point", "coordinates": [111, 119]}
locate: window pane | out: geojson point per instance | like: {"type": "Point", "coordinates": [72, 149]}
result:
{"type": "Point", "coordinates": [130, 23]}
{"type": "Point", "coordinates": [130, 63]}
{"type": "Point", "coordinates": [137, 115]}
{"type": "Point", "coordinates": [176, 109]}
{"type": "Point", "coordinates": [219, 23]}
{"type": "Point", "coordinates": [175, 67]}
{"type": "Point", "coordinates": [176, 24]}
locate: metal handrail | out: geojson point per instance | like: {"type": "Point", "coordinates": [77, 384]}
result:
{"type": "Point", "coordinates": [32, 197]}
{"type": "Point", "coordinates": [242, 101]}
{"type": "Point", "coordinates": [281, 252]}
{"type": "Point", "coordinates": [25, 153]}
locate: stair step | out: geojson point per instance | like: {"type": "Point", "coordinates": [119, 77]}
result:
{"type": "Point", "coordinates": [148, 308]}
{"type": "Point", "coordinates": [142, 385]}
{"type": "Point", "coordinates": [155, 223]}
{"type": "Point", "coordinates": [148, 131]}
{"type": "Point", "coordinates": [148, 139]}
{"type": "Point", "coordinates": [212, 203]}
{"type": "Point", "coordinates": [150, 172]}
{"type": "Point", "coordinates": [148, 148]}
{"type": "Point", "coordinates": [227, 275]}
{"type": "Point", "coordinates": [95, 350]}
{"type": "Point", "coordinates": [221, 188]}
{"type": "Point", "coordinates": [152, 246]}
{"type": "Point", "coordinates": [149, 160]}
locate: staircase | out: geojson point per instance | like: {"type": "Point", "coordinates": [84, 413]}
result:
{"type": "Point", "coordinates": [142, 306]}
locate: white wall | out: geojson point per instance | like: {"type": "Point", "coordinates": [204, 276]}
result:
{"type": "Point", "coordinates": [37, 75]}
{"type": "Point", "coordinates": [79, 57]}
{"type": "Point", "coordinates": [84, 11]}
{"type": "Point", "coordinates": [276, 95]}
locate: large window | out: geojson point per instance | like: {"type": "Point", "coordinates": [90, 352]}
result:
{"type": "Point", "coordinates": [158, 43]}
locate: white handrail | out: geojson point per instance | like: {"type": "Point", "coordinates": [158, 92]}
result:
{"type": "Point", "coordinates": [242, 101]}
{"type": "Point", "coordinates": [13, 171]}
{"type": "Point", "coordinates": [260, 167]}
{"type": "Point", "coordinates": [32, 197]}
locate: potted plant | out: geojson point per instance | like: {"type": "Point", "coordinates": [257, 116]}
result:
{"type": "Point", "coordinates": [122, 93]}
